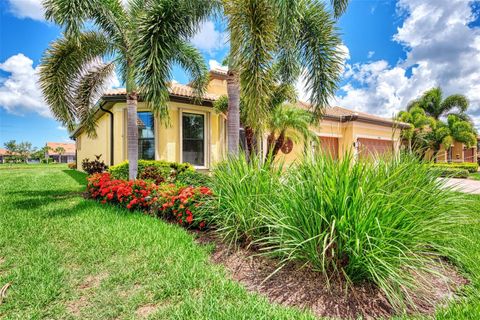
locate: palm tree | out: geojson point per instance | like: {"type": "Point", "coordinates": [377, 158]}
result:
{"type": "Point", "coordinates": [300, 36]}
{"type": "Point", "coordinates": [287, 122]}
{"type": "Point", "coordinates": [436, 107]}
{"type": "Point", "coordinates": [140, 41]}
{"type": "Point", "coordinates": [445, 133]}
{"type": "Point", "coordinates": [421, 124]}
{"type": "Point", "coordinates": [60, 151]}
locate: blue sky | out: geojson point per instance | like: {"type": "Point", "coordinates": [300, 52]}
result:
{"type": "Point", "coordinates": [396, 50]}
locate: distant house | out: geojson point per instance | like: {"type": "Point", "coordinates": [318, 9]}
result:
{"type": "Point", "coordinates": [67, 156]}
{"type": "Point", "coordinates": [3, 153]}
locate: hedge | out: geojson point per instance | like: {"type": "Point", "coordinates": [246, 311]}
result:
{"type": "Point", "coordinates": [469, 166]}
{"type": "Point", "coordinates": [451, 172]}
{"type": "Point", "coordinates": [164, 168]}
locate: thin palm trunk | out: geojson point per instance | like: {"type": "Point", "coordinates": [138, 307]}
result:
{"type": "Point", "coordinates": [250, 141]}
{"type": "Point", "coordinates": [278, 144]}
{"type": "Point", "coordinates": [132, 135]}
{"type": "Point", "coordinates": [233, 120]}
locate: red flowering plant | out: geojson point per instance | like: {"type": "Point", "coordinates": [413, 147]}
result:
{"type": "Point", "coordinates": [181, 205]}
{"type": "Point", "coordinates": [131, 194]}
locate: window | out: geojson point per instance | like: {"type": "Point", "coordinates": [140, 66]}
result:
{"type": "Point", "coordinates": [193, 139]}
{"type": "Point", "coordinates": [146, 136]}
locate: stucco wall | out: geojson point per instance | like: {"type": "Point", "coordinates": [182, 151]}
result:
{"type": "Point", "coordinates": [167, 138]}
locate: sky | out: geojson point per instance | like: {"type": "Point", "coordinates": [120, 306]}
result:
{"type": "Point", "coordinates": [395, 50]}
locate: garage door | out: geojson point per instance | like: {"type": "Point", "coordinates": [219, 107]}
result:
{"type": "Point", "coordinates": [329, 145]}
{"type": "Point", "coordinates": [373, 147]}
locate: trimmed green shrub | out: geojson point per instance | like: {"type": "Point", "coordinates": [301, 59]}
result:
{"type": "Point", "coordinates": [384, 222]}
{"type": "Point", "coordinates": [166, 169]}
{"type": "Point", "coordinates": [469, 166]}
{"type": "Point", "coordinates": [451, 172]}
{"type": "Point", "coordinates": [193, 178]}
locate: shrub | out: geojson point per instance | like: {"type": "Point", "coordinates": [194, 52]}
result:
{"type": "Point", "coordinates": [384, 222]}
{"type": "Point", "coordinates": [182, 204]}
{"type": "Point", "coordinates": [469, 166]}
{"type": "Point", "coordinates": [193, 178]}
{"type": "Point", "coordinates": [242, 189]}
{"type": "Point", "coordinates": [72, 165]}
{"type": "Point", "coordinates": [178, 204]}
{"type": "Point", "coordinates": [167, 170]}
{"type": "Point", "coordinates": [155, 174]}
{"type": "Point", "coordinates": [95, 166]}
{"type": "Point", "coordinates": [451, 172]}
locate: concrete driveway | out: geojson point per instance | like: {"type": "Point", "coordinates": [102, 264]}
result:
{"type": "Point", "coordinates": [464, 185]}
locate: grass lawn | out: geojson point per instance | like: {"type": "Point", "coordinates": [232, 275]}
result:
{"type": "Point", "coordinates": [67, 257]}
{"type": "Point", "coordinates": [474, 176]}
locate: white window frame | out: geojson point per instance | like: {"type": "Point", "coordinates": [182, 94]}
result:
{"type": "Point", "coordinates": [206, 135]}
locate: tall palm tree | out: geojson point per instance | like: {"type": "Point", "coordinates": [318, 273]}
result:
{"type": "Point", "coordinates": [436, 107]}
{"type": "Point", "coordinates": [298, 35]}
{"type": "Point", "coordinates": [140, 41]}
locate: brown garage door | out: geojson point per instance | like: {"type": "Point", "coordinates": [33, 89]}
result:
{"type": "Point", "coordinates": [329, 145]}
{"type": "Point", "coordinates": [373, 147]}
{"type": "Point", "coordinates": [469, 155]}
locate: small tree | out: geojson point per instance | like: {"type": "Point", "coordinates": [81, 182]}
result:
{"type": "Point", "coordinates": [60, 151]}
{"type": "Point", "coordinates": [11, 147]}
{"type": "Point", "coordinates": [24, 149]}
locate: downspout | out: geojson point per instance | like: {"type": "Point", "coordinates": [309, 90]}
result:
{"type": "Point", "coordinates": [111, 133]}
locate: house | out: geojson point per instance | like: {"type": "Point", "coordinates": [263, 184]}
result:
{"type": "Point", "coordinates": [198, 135]}
{"type": "Point", "coordinates": [3, 154]}
{"type": "Point", "coordinates": [457, 153]}
{"type": "Point", "coordinates": [68, 154]}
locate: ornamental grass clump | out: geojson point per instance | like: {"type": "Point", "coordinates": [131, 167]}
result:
{"type": "Point", "coordinates": [384, 221]}
{"type": "Point", "coordinates": [242, 189]}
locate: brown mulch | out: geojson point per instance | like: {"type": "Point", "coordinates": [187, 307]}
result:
{"type": "Point", "coordinates": [305, 289]}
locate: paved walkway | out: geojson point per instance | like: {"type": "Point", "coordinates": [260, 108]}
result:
{"type": "Point", "coordinates": [464, 185]}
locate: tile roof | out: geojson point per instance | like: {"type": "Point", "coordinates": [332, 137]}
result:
{"type": "Point", "coordinates": [176, 89]}
{"type": "Point", "coordinates": [3, 152]}
{"type": "Point", "coordinates": [69, 148]}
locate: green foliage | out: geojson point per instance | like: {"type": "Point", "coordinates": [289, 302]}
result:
{"type": "Point", "coordinates": [94, 166]}
{"type": "Point", "coordinates": [193, 178]}
{"type": "Point", "coordinates": [366, 221]}
{"type": "Point", "coordinates": [451, 172]}
{"type": "Point", "coordinates": [469, 166]}
{"type": "Point", "coordinates": [165, 168]}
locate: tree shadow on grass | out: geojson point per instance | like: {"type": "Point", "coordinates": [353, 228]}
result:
{"type": "Point", "coordinates": [34, 199]}
{"type": "Point", "coordinates": [79, 177]}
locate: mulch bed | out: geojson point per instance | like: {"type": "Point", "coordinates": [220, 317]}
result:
{"type": "Point", "coordinates": [306, 289]}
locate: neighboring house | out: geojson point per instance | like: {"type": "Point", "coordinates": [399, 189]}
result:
{"type": "Point", "coordinates": [458, 152]}
{"type": "Point", "coordinates": [3, 153]}
{"type": "Point", "coordinates": [198, 135]}
{"type": "Point", "coordinates": [66, 157]}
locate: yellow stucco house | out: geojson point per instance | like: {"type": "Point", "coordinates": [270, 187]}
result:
{"type": "Point", "coordinates": [198, 134]}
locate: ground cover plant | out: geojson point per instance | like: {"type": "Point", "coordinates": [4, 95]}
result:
{"type": "Point", "coordinates": [386, 222]}
{"type": "Point", "coordinates": [469, 166]}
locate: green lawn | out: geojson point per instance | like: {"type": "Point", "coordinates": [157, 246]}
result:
{"type": "Point", "coordinates": [474, 176]}
{"type": "Point", "coordinates": [67, 257]}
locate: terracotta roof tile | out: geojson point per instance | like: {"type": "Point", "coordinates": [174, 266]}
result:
{"type": "Point", "coordinates": [175, 89]}
{"type": "Point", "coordinates": [69, 148]}
{"type": "Point", "coordinates": [3, 152]}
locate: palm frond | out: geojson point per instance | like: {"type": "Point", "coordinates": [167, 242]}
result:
{"type": "Point", "coordinates": [339, 7]}
{"type": "Point", "coordinates": [321, 55]}
{"type": "Point", "coordinates": [61, 65]}
{"type": "Point", "coordinates": [89, 88]}
{"type": "Point", "coordinates": [161, 31]}
{"type": "Point", "coordinates": [192, 61]}
{"type": "Point", "coordinates": [253, 31]}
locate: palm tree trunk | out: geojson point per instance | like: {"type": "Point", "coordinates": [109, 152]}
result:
{"type": "Point", "coordinates": [250, 141]}
{"type": "Point", "coordinates": [233, 120]}
{"type": "Point", "coordinates": [132, 134]}
{"type": "Point", "coordinates": [278, 145]}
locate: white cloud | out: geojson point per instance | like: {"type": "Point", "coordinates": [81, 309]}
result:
{"type": "Point", "coordinates": [61, 128]}
{"type": "Point", "coordinates": [32, 9]}
{"type": "Point", "coordinates": [441, 50]}
{"type": "Point", "coordinates": [209, 39]}
{"type": "Point", "coordinates": [19, 92]}
{"type": "Point", "coordinates": [214, 64]}
{"type": "Point", "coordinates": [370, 54]}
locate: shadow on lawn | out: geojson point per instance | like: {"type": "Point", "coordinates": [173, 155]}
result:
{"type": "Point", "coordinates": [79, 177]}
{"type": "Point", "coordinates": [34, 199]}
